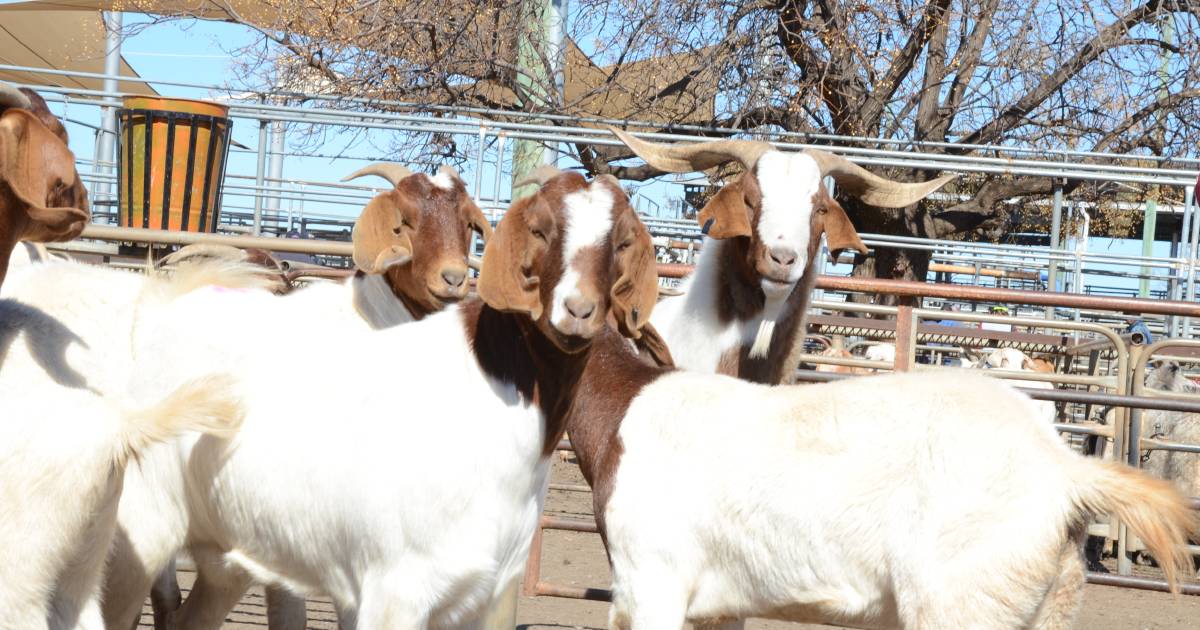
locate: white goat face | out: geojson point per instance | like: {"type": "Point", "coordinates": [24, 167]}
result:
{"type": "Point", "coordinates": [789, 184]}
{"type": "Point", "coordinates": [588, 220]}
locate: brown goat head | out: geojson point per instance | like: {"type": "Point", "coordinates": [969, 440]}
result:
{"type": "Point", "coordinates": [572, 257]}
{"type": "Point", "coordinates": [41, 196]}
{"type": "Point", "coordinates": [419, 235]}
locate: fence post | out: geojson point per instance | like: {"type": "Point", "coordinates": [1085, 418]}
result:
{"type": "Point", "coordinates": [906, 339]}
{"type": "Point", "coordinates": [260, 173]}
{"type": "Point", "coordinates": [1055, 228]}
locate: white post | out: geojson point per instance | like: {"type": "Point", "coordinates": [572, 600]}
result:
{"type": "Point", "coordinates": [106, 152]}
{"type": "Point", "coordinates": [278, 136]}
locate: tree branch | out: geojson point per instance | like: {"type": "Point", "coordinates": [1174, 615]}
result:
{"type": "Point", "coordinates": [1112, 36]}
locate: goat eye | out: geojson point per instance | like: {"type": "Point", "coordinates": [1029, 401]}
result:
{"type": "Point", "coordinates": [623, 246]}
{"type": "Point", "coordinates": [539, 234]}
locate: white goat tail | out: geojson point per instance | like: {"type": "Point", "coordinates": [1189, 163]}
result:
{"type": "Point", "coordinates": [1152, 508]}
{"type": "Point", "coordinates": [208, 405]}
{"type": "Point", "coordinates": [762, 341]}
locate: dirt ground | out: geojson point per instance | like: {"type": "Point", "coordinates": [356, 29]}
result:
{"type": "Point", "coordinates": [577, 559]}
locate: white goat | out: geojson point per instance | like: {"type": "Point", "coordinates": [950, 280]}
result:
{"type": "Point", "coordinates": [350, 495]}
{"type": "Point", "coordinates": [1017, 361]}
{"type": "Point", "coordinates": [756, 270]}
{"type": "Point", "coordinates": [866, 502]}
{"type": "Point", "coordinates": [64, 445]}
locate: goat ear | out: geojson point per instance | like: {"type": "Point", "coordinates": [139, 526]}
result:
{"type": "Point", "coordinates": [635, 290]}
{"type": "Point", "coordinates": [476, 218]}
{"type": "Point", "coordinates": [839, 231]}
{"type": "Point", "coordinates": [37, 171]}
{"type": "Point", "coordinates": [727, 214]}
{"type": "Point", "coordinates": [506, 282]}
{"type": "Point", "coordinates": [378, 235]}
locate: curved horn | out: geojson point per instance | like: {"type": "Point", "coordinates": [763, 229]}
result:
{"type": "Point", "coordinates": [388, 170]}
{"type": "Point", "coordinates": [12, 97]}
{"type": "Point", "coordinates": [871, 188]}
{"type": "Point", "coordinates": [695, 156]}
{"type": "Point", "coordinates": [539, 176]}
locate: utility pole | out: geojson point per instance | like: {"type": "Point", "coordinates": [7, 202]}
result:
{"type": "Point", "coordinates": [107, 142]}
{"type": "Point", "coordinates": [1150, 215]}
{"type": "Point", "coordinates": [547, 25]}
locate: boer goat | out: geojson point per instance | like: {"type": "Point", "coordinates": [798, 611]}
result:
{"type": "Point", "coordinates": [411, 252]}
{"type": "Point", "coordinates": [756, 270]}
{"type": "Point", "coordinates": [351, 495]}
{"type": "Point", "coordinates": [871, 502]}
{"type": "Point", "coordinates": [65, 440]}
{"type": "Point", "coordinates": [1017, 361]}
{"type": "Point", "coordinates": [41, 196]}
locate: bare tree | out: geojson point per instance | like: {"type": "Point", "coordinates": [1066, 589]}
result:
{"type": "Point", "coordinates": [1094, 75]}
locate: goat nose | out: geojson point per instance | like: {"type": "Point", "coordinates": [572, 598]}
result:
{"type": "Point", "coordinates": [580, 307]}
{"type": "Point", "coordinates": [454, 277]}
{"type": "Point", "coordinates": [783, 256]}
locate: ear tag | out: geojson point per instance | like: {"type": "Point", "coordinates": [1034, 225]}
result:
{"type": "Point", "coordinates": [707, 225]}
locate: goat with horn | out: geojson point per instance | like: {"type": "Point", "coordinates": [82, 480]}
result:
{"type": "Point", "coordinates": [756, 271]}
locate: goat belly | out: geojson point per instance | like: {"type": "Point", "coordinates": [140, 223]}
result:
{"type": "Point", "coordinates": [407, 474]}
{"type": "Point", "coordinates": [814, 503]}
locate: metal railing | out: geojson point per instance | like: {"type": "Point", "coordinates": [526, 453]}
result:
{"type": "Point", "coordinates": [491, 130]}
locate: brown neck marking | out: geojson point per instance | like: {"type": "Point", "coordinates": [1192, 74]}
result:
{"type": "Point", "coordinates": [613, 377]}
{"type": "Point", "coordinates": [788, 338]}
{"type": "Point", "coordinates": [739, 295]}
{"type": "Point", "coordinates": [510, 349]}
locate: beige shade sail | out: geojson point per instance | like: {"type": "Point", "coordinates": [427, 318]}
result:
{"type": "Point", "coordinates": [647, 89]}
{"type": "Point", "coordinates": [60, 40]}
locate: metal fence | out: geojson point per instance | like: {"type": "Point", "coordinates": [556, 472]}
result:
{"type": "Point", "coordinates": [258, 203]}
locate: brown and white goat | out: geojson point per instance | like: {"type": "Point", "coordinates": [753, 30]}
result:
{"type": "Point", "coordinates": [413, 242]}
{"type": "Point", "coordinates": [393, 545]}
{"type": "Point", "coordinates": [411, 254]}
{"type": "Point", "coordinates": [756, 271]}
{"type": "Point", "coordinates": [41, 196]}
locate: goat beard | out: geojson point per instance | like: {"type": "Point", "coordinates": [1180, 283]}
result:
{"type": "Point", "coordinates": [773, 311]}
{"type": "Point", "coordinates": [762, 341]}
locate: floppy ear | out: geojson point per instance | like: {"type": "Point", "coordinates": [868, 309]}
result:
{"type": "Point", "coordinates": [506, 282]}
{"type": "Point", "coordinates": [635, 291]}
{"type": "Point", "coordinates": [476, 218]}
{"type": "Point", "coordinates": [378, 235]}
{"type": "Point", "coordinates": [37, 176]}
{"type": "Point", "coordinates": [839, 231]}
{"type": "Point", "coordinates": [727, 214]}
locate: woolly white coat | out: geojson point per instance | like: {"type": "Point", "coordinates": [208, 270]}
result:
{"type": "Point", "coordinates": [344, 488]}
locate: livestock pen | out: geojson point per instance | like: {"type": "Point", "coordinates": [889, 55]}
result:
{"type": "Point", "coordinates": [1125, 395]}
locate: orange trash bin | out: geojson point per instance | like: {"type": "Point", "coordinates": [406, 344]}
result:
{"type": "Point", "coordinates": [171, 163]}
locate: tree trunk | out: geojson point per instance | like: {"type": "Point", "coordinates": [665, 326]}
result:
{"type": "Point", "coordinates": [888, 263]}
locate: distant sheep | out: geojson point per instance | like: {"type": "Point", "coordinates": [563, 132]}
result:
{"type": "Point", "coordinates": [1183, 469]}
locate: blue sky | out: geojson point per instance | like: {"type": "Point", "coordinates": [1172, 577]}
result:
{"type": "Point", "coordinates": [199, 52]}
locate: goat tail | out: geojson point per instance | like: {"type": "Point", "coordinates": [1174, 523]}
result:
{"type": "Point", "coordinates": [1153, 508]}
{"type": "Point", "coordinates": [225, 273]}
{"type": "Point", "coordinates": [207, 405]}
